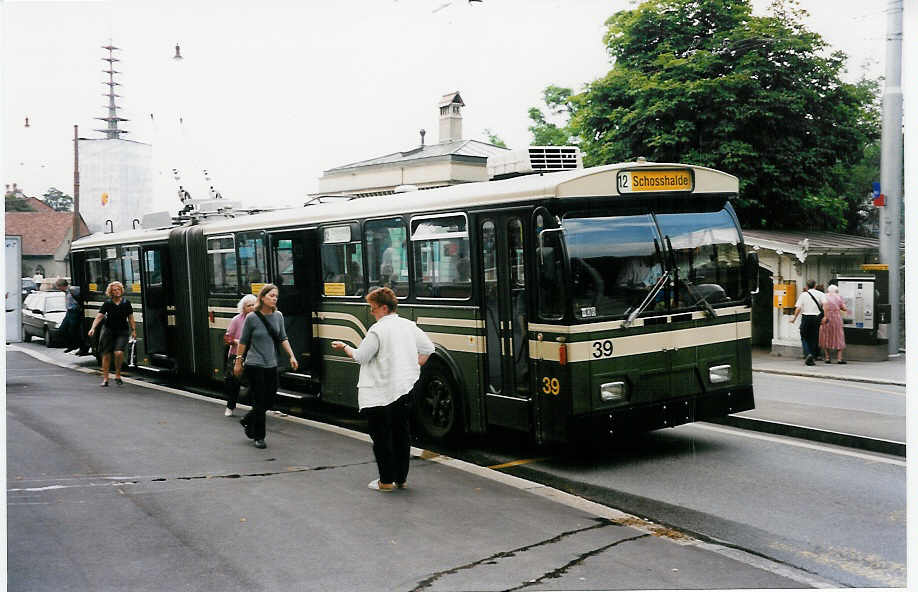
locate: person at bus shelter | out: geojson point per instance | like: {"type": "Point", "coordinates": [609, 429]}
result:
{"type": "Point", "coordinates": [390, 359]}
{"type": "Point", "coordinates": [809, 305]}
{"type": "Point", "coordinates": [832, 331]}
{"type": "Point", "coordinates": [263, 333]}
{"type": "Point", "coordinates": [231, 384]}
{"type": "Point", "coordinates": [117, 318]}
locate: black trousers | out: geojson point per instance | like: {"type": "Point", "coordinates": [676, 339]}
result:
{"type": "Point", "coordinates": [263, 387]}
{"type": "Point", "coordinates": [389, 429]}
{"type": "Point", "coordinates": [231, 384]}
{"type": "Point", "coordinates": [809, 334]}
{"type": "Point", "coordinates": [70, 330]}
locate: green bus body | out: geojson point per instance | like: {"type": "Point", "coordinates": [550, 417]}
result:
{"type": "Point", "coordinates": [563, 305]}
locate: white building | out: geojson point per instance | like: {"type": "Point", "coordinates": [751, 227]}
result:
{"type": "Point", "coordinates": [116, 183]}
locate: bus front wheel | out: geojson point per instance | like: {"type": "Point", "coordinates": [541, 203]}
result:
{"type": "Point", "coordinates": [436, 406]}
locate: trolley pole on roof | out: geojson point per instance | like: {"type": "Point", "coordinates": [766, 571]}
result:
{"type": "Point", "coordinates": [891, 166]}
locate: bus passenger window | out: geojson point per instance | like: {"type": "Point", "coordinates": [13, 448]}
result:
{"type": "Point", "coordinates": [342, 263]}
{"type": "Point", "coordinates": [95, 276]}
{"type": "Point", "coordinates": [252, 262]}
{"type": "Point", "coordinates": [112, 266]}
{"type": "Point", "coordinates": [441, 254]}
{"type": "Point", "coordinates": [387, 255]}
{"type": "Point", "coordinates": [130, 260]}
{"type": "Point", "coordinates": [221, 265]}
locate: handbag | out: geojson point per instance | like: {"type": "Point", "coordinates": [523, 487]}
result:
{"type": "Point", "coordinates": [822, 313]}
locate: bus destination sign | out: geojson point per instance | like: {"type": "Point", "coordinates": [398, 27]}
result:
{"type": "Point", "coordinates": [654, 180]}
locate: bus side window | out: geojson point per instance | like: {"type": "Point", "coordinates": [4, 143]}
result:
{"type": "Point", "coordinates": [387, 255]}
{"type": "Point", "coordinates": [112, 266]}
{"type": "Point", "coordinates": [94, 276]}
{"type": "Point", "coordinates": [130, 259]}
{"type": "Point", "coordinates": [252, 261]}
{"type": "Point", "coordinates": [342, 262]}
{"type": "Point", "coordinates": [221, 265]}
{"type": "Point", "coordinates": [441, 253]}
{"type": "Point", "coordinates": [551, 267]}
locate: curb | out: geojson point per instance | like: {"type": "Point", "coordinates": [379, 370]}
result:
{"type": "Point", "coordinates": [827, 377]}
{"type": "Point", "coordinates": [804, 433]}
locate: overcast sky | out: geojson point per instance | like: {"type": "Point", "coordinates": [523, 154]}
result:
{"type": "Point", "coordinates": [270, 94]}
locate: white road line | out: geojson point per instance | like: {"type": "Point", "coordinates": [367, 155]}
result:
{"type": "Point", "coordinates": [790, 441]}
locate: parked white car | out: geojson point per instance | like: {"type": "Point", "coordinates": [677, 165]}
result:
{"type": "Point", "coordinates": [42, 315]}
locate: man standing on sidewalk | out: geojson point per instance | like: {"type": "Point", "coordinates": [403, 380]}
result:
{"type": "Point", "coordinates": [809, 303]}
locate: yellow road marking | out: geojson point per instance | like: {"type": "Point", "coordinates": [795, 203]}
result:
{"type": "Point", "coordinates": [515, 463]}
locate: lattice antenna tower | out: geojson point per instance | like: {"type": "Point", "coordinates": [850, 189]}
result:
{"type": "Point", "coordinates": [111, 131]}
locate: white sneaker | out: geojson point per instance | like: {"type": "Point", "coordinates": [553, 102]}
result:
{"type": "Point", "coordinates": [228, 412]}
{"type": "Point", "coordinates": [377, 486]}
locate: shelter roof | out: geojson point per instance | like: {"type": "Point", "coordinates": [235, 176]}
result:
{"type": "Point", "coordinates": [802, 243]}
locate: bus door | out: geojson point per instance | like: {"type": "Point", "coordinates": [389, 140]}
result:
{"type": "Point", "coordinates": [293, 257]}
{"type": "Point", "coordinates": [158, 299]}
{"type": "Point", "coordinates": [504, 308]}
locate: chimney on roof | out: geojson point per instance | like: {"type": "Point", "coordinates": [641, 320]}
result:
{"type": "Point", "coordinates": [422, 136]}
{"type": "Point", "coordinates": [451, 117]}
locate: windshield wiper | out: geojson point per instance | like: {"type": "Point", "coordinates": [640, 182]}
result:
{"type": "Point", "coordinates": [650, 296]}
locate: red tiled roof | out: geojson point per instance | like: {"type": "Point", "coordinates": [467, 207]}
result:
{"type": "Point", "coordinates": [38, 205]}
{"type": "Point", "coordinates": [42, 232]}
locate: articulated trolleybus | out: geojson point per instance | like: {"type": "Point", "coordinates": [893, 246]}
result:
{"type": "Point", "coordinates": [600, 300]}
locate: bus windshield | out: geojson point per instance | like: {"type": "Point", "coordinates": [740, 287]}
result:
{"type": "Point", "coordinates": [615, 262]}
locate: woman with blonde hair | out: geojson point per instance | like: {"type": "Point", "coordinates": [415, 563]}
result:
{"type": "Point", "coordinates": [118, 316]}
{"type": "Point", "coordinates": [832, 331]}
{"type": "Point", "coordinates": [233, 332]}
{"type": "Point", "coordinates": [263, 333]}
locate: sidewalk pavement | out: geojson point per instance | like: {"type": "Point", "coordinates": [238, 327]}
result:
{"type": "Point", "coordinates": [891, 371]}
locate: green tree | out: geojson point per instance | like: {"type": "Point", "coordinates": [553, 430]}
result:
{"type": "Point", "coordinates": [58, 200]}
{"type": "Point", "coordinates": [495, 139]}
{"type": "Point", "coordinates": [546, 133]}
{"type": "Point", "coordinates": [708, 83]}
{"type": "Point", "coordinates": [15, 201]}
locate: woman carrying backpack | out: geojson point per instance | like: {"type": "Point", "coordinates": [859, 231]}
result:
{"type": "Point", "coordinates": [263, 334]}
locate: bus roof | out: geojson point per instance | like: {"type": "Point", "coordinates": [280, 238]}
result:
{"type": "Point", "coordinates": [590, 182]}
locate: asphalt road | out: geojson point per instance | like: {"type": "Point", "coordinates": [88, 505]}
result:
{"type": "Point", "coordinates": [132, 488]}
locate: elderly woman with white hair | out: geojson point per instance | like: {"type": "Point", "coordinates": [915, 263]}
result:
{"type": "Point", "coordinates": [231, 384]}
{"type": "Point", "coordinates": [831, 331]}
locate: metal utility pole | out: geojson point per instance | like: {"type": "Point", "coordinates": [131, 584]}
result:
{"type": "Point", "coordinates": [76, 185]}
{"type": "Point", "coordinates": [891, 166]}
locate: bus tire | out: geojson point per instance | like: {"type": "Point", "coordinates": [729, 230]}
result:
{"type": "Point", "coordinates": [437, 408]}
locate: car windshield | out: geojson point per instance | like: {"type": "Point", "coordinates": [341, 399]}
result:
{"type": "Point", "coordinates": [616, 261]}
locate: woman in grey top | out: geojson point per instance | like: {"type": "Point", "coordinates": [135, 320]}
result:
{"type": "Point", "coordinates": [261, 362]}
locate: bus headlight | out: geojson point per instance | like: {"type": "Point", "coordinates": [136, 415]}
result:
{"type": "Point", "coordinates": [720, 373]}
{"type": "Point", "coordinates": [613, 391]}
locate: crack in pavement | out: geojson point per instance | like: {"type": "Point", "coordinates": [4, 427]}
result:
{"type": "Point", "coordinates": [120, 482]}
{"type": "Point", "coordinates": [557, 573]}
{"type": "Point", "coordinates": [601, 523]}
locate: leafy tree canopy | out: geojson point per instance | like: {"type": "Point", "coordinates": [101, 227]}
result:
{"type": "Point", "coordinates": [706, 82]}
{"type": "Point", "coordinates": [58, 200]}
{"type": "Point", "coordinates": [15, 201]}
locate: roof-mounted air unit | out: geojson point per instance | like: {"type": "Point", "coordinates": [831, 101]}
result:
{"type": "Point", "coordinates": [534, 159]}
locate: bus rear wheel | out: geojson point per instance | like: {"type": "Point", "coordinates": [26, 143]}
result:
{"type": "Point", "coordinates": [436, 405]}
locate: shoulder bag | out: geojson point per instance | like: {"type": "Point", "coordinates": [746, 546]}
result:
{"type": "Point", "coordinates": [819, 306]}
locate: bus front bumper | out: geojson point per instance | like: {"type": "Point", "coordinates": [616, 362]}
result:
{"type": "Point", "coordinates": [666, 414]}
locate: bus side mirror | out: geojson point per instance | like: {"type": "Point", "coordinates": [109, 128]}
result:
{"type": "Point", "coordinates": [752, 272]}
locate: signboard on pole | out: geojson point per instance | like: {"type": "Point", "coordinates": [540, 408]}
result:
{"type": "Point", "coordinates": [13, 288]}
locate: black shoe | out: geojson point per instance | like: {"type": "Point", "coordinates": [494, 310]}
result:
{"type": "Point", "coordinates": [104, 383]}
{"type": "Point", "coordinates": [260, 444]}
{"type": "Point", "coordinates": [119, 382]}
{"type": "Point", "coordinates": [809, 361]}
{"type": "Point", "coordinates": [82, 352]}
{"type": "Point", "coordinates": [69, 349]}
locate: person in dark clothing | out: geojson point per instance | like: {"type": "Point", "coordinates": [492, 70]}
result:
{"type": "Point", "coordinates": [119, 326]}
{"type": "Point", "coordinates": [258, 347]}
{"type": "Point", "coordinates": [70, 327]}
